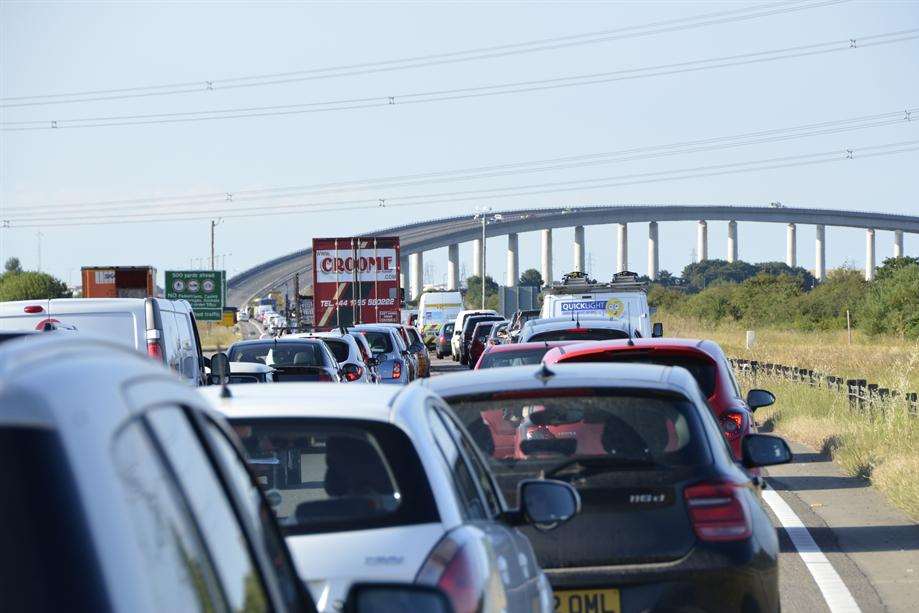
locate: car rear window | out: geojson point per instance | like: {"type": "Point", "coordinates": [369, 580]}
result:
{"type": "Point", "coordinates": [703, 371]}
{"type": "Point", "coordinates": [306, 353]}
{"type": "Point", "coordinates": [448, 329]}
{"type": "Point", "coordinates": [470, 324]}
{"type": "Point", "coordinates": [522, 357]}
{"type": "Point", "coordinates": [380, 342]}
{"type": "Point", "coordinates": [330, 475]}
{"type": "Point", "coordinates": [340, 349]}
{"type": "Point", "coordinates": [482, 330]}
{"type": "Point", "coordinates": [523, 433]}
{"type": "Point", "coordinates": [578, 334]}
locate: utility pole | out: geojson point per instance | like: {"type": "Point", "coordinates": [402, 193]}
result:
{"type": "Point", "coordinates": [482, 215]}
{"type": "Point", "coordinates": [39, 235]}
{"type": "Point", "coordinates": [214, 224]}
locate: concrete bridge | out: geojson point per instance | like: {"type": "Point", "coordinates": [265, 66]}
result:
{"type": "Point", "coordinates": [423, 236]}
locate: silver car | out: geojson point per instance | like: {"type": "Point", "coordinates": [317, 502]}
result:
{"type": "Point", "coordinates": [395, 361]}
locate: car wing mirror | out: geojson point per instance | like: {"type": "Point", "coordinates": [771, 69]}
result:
{"type": "Point", "coordinates": [657, 330]}
{"type": "Point", "coordinates": [545, 504]}
{"type": "Point", "coordinates": [373, 597]}
{"type": "Point", "coordinates": [220, 368]}
{"type": "Point", "coordinates": [764, 450]}
{"type": "Point", "coordinates": [757, 398]}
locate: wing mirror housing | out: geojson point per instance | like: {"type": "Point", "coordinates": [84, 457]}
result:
{"type": "Point", "coordinates": [657, 330]}
{"type": "Point", "coordinates": [757, 398]}
{"type": "Point", "coordinates": [765, 450]}
{"type": "Point", "coordinates": [220, 368]}
{"type": "Point", "coordinates": [385, 597]}
{"type": "Point", "coordinates": [544, 504]}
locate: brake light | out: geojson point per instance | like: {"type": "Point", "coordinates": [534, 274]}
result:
{"type": "Point", "coordinates": [457, 567]}
{"type": "Point", "coordinates": [732, 424]}
{"type": "Point", "coordinates": [155, 351]}
{"type": "Point", "coordinates": [397, 370]}
{"type": "Point", "coordinates": [352, 372]}
{"type": "Point", "coordinates": [577, 330]}
{"type": "Point", "coordinates": [324, 376]}
{"type": "Point", "coordinates": [34, 308]}
{"type": "Point", "coordinates": [718, 512]}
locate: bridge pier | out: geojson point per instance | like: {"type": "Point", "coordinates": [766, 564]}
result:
{"type": "Point", "coordinates": [653, 252]}
{"type": "Point", "coordinates": [820, 263]}
{"type": "Point", "coordinates": [453, 267]}
{"type": "Point", "coordinates": [898, 243]}
{"type": "Point", "coordinates": [622, 253]}
{"type": "Point", "coordinates": [417, 265]}
{"type": "Point", "coordinates": [579, 248]}
{"type": "Point", "coordinates": [732, 241]}
{"type": "Point", "coordinates": [513, 261]}
{"type": "Point", "coordinates": [546, 253]}
{"type": "Point", "coordinates": [869, 254]}
{"type": "Point", "coordinates": [702, 241]}
{"type": "Point", "coordinates": [403, 276]}
{"type": "Point", "coordinates": [477, 257]}
{"type": "Point", "coordinates": [791, 247]}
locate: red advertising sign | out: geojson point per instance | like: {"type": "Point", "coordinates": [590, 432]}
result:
{"type": "Point", "coordinates": [355, 280]}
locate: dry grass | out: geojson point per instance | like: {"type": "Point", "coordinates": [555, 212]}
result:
{"type": "Point", "coordinates": [886, 360]}
{"type": "Point", "coordinates": [216, 335]}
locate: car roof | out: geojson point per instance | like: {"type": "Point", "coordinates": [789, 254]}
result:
{"type": "Point", "coordinates": [707, 347]}
{"type": "Point", "coordinates": [280, 341]}
{"type": "Point", "coordinates": [560, 376]}
{"type": "Point", "coordinates": [564, 324]}
{"type": "Point", "coordinates": [318, 400]}
{"type": "Point", "coordinates": [237, 368]}
{"type": "Point", "coordinates": [533, 345]}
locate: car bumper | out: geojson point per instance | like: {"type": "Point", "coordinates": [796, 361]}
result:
{"type": "Point", "coordinates": [738, 579]}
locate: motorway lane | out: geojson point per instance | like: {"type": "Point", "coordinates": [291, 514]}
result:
{"type": "Point", "coordinates": [872, 547]}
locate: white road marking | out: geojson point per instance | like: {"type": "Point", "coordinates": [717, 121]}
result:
{"type": "Point", "coordinates": [834, 590]}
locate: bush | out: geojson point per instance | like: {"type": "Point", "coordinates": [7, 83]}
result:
{"type": "Point", "coordinates": [824, 307]}
{"type": "Point", "coordinates": [713, 304]}
{"type": "Point", "coordinates": [31, 286]}
{"type": "Point", "coordinates": [892, 303]}
{"type": "Point", "coordinates": [768, 299]}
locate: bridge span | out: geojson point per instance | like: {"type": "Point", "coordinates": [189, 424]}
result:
{"type": "Point", "coordinates": [449, 232]}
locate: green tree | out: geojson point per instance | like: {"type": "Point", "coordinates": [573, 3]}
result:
{"type": "Point", "coordinates": [12, 265]}
{"type": "Point", "coordinates": [31, 286]}
{"type": "Point", "coordinates": [892, 304]}
{"type": "Point", "coordinates": [473, 297]}
{"type": "Point", "coordinates": [699, 275]}
{"type": "Point", "coordinates": [531, 276]}
{"type": "Point", "coordinates": [713, 304]}
{"type": "Point", "coordinates": [891, 265]}
{"type": "Point", "coordinates": [824, 307]}
{"type": "Point", "coordinates": [665, 297]}
{"type": "Point", "coordinates": [768, 299]}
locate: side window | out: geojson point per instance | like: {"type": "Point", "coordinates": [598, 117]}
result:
{"type": "Point", "coordinates": [479, 471]}
{"type": "Point", "coordinates": [178, 573]}
{"type": "Point", "coordinates": [472, 506]}
{"type": "Point", "coordinates": [170, 338]}
{"type": "Point", "coordinates": [260, 516]}
{"type": "Point", "coordinates": [222, 531]}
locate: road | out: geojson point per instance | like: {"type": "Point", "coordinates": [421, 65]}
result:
{"type": "Point", "coordinates": [836, 530]}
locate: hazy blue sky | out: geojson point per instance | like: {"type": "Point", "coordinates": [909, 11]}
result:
{"type": "Point", "coordinates": [63, 47]}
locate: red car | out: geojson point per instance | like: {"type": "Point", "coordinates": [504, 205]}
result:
{"type": "Point", "coordinates": [516, 354]}
{"type": "Point", "coordinates": [704, 359]}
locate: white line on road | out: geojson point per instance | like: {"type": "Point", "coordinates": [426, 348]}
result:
{"type": "Point", "coordinates": [834, 590]}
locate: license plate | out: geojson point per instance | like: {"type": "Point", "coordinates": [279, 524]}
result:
{"type": "Point", "coordinates": [587, 601]}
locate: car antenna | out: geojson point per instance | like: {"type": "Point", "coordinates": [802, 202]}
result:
{"type": "Point", "coordinates": [544, 374]}
{"type": "Point", "coordinates": [628, 324]}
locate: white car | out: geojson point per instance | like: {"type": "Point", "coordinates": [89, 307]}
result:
{"type": "Point", "coordinates": [388, 482]}
{"type": "Point", "coordinates": [346, 350]}
{"type": "Point", "coordinates": [457, 340]}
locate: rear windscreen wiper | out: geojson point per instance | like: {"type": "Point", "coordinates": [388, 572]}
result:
{"type": "Point", "coordinates": [593, 465]}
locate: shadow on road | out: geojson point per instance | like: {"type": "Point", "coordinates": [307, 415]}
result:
{"type": "Point", "coordinates": [795, 484]}
{"type": "Point", "coordinates": [859, 538]}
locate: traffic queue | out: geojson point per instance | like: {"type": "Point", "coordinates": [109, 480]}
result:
{"type": "Point", "coordinates": [584, 462]}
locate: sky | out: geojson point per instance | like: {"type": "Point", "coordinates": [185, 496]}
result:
{"type": "Point", "coordinates": [56, 175]}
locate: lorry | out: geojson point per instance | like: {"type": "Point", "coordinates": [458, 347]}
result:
{"type": "Point", "coordinates": [623, 298]}
{"type": "Point", "coordinates": [119, 281]}
{"type": "Point", "coordinates": [436, 308]}
{"type": "Point", "coordinates": [355, 280]}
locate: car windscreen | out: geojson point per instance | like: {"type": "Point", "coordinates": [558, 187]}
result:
{"type": "Point", "coordinates": [703, 370]}
{"type": "Point", "coordinates": [525, 432]}
{"type": "Point", "coordinates": [380, 342]}
{"type": "Point", "coordinates": [521, 357]}
{"type": "Point", "coordinates": [578, 334]}
{"type": "Point", "coordinates": [340, 349]}
{"type": "Point", "coordinates": [329, 475]}
{"type": "Point", "coordinates": [305, 353]}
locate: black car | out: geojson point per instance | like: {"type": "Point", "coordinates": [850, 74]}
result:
{"type": "Point", "coordinates": [669, 522]}
{"type": "Point", "coordinates": [293, 359]}
{"type": "Point", "coordinates": [468, 327]}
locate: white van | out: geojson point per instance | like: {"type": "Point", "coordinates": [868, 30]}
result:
{"type": "Point", "coordinates": [624, 299]}
{"type": "Point", "coordinates": [435, 308]}
{"type": "Point", "coordinates": [163, 329]}
{"type": "Point", "coordinates": [457, 338]}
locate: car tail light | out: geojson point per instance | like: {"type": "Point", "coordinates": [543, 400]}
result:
{"type": "Point", "coordinates": [397, 370]}
{"type": "Point", "coordinates": [154, 347]}
{"type": "Point", "coordinates": [732, 424]}
{"type": "Point", "coordinates": [718, 512]}
{"type": "Point", "coordinates": [352, 372]}
{"type": "Point", "coordinates": [457, 566]}
{"type": "Point", "coordinates": [33, 308]}
{"type": "Point", "coordinates": [324, 376]}
{"type": "Point", "coordinates": [577, 330]}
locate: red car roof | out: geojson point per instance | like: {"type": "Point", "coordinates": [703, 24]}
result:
{"type": "Point", "coordinates": [536, 345]}
{"type": "Point", "coordinates": [706, 347]}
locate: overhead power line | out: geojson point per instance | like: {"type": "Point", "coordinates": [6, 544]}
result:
{"type": "Point", "coordinates": [418, 61]}
{"type": "Point", "coordinates": [441, 198]}
{"type": "Point", "coordinates": [242, 198]}
{"type": "Point", "coordinates": [469, 92]}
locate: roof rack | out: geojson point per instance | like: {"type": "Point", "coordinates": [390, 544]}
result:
{"type": "Point", "coordinates": [577, 282]}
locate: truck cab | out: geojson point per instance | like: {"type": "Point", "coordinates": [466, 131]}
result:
{"type": "Point", "coordinates": [624, 299]}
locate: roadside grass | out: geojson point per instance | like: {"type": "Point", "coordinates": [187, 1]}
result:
{"type": "Point", "coordinates": [880, 444]}
{"type": "Point", "coordinates": [886, 360]}
{"type": "Point", "coordinates": [216, 335]}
